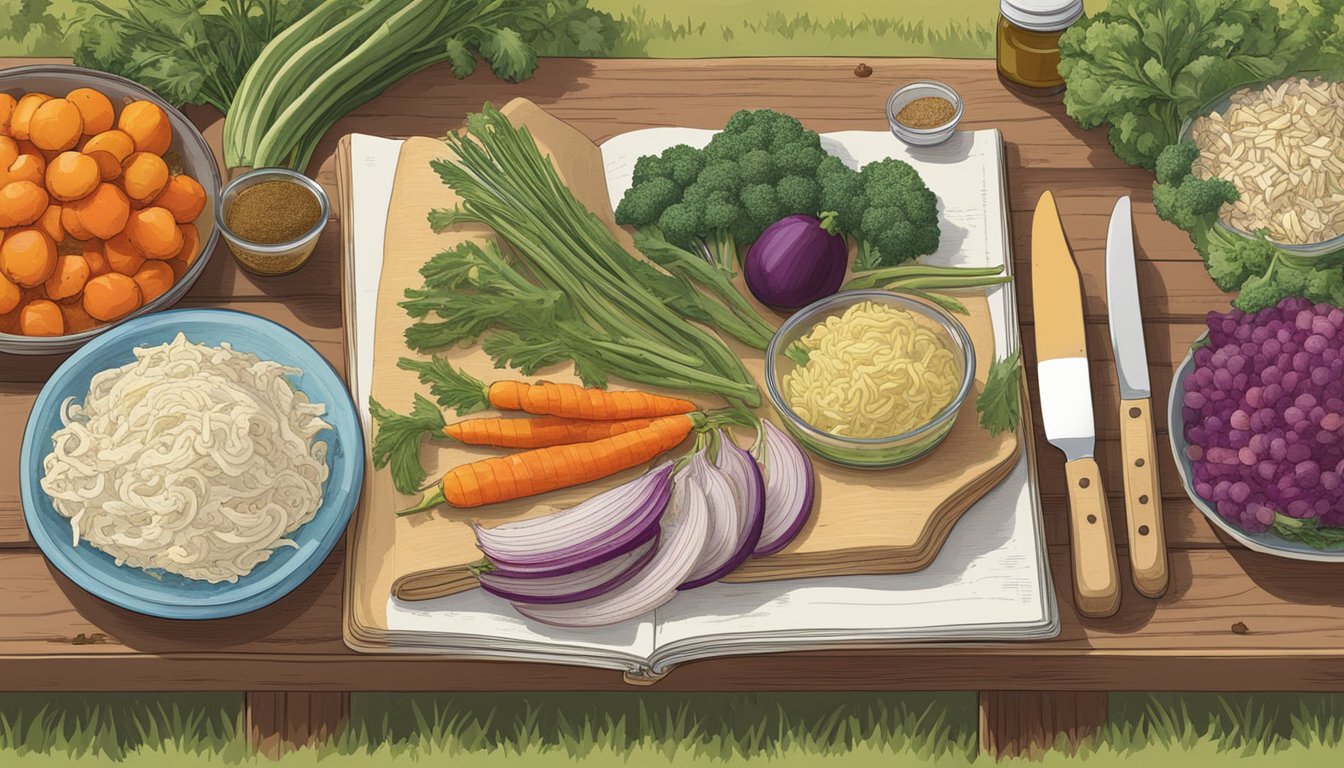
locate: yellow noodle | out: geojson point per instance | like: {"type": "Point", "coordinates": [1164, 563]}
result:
{"type": "Point", "coordinates": [872, 371]}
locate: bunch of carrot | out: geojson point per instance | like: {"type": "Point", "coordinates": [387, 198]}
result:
{"type": "Point", "coordinates": [576, 435]}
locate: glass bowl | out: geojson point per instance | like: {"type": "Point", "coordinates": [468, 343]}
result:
{"type": "Point", "coordinates": [924, 137]}
{"type": "Point", "coordinates": [869, 452]}
{"type": "Point", "coordinates": [272, 259]}
{"type": "Point", "coordinates": [1302, 254]}
{"type": "Point", "coordinates": [189, 151]}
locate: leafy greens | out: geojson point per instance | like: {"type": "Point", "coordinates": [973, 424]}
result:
{"type": "Point", "coordinates": [1144, 66]}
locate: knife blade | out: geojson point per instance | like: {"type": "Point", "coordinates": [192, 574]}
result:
{"type": "Point", "coordinates": [1138, 441]}
{"type": "Point", "coordinates": [1066, 409]}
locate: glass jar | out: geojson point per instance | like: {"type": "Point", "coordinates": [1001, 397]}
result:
{"type": "Point", "coordinates": [1027, 42]}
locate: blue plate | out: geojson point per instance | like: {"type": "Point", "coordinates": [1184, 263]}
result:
{"type": "Point", "coordinates": [169, 595]}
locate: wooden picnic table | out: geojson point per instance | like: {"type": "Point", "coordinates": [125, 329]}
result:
{"type": "Point", "coordinates": [1231, 620]}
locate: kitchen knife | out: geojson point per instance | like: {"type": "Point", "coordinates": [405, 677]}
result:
{"type": "Point", "coordinates": [1066, 409]}
{"type": "Point", "coordinates": [1138, 443]}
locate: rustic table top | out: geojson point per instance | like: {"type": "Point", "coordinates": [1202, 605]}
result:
{"type": "Point", "coordinates": [1232, 619]}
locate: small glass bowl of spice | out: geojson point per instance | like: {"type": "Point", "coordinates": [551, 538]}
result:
{"type": "Point", "coordinates": [271, 219]}
{"type": "Point", "coordinates": [925, 113]}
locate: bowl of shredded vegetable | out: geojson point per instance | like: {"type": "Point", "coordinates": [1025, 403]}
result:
{"type": "Point", "coordinates": [870, 379]}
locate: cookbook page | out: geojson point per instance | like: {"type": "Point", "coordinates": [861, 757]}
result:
{"type": "Point", "coordinates": [991, 579]}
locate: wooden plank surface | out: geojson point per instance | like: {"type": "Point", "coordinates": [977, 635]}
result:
{"type": "Point", "coordinates": [1231, 617]}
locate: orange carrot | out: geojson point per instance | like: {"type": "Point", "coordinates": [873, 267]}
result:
{"type": "Point", "coordinates": [528, 473]}
{"type": "Point", "coordinates": [575, 402]}
{"type": "Point", "coordinates": [538, 432]}
{"type": "Point", "coordinates": [459, 390]}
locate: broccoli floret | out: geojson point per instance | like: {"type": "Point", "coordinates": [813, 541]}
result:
{"type": "Point", "coordinates": [647, 168]}
{"type": "Point", "coordinates": [683, 163]}
{"type": "Point", "coordinates": [720, 176]}
{"type": "Point", "coordinates": [758, 167]}
{"type": "Point", "coordinates": [721, 214]}
{"type": "Point", "coordinates": [798, 159]}
{"type": "Point", "coordinates": [681, 224]}
{"type": "Point", "coordinates": [1174, 163]}
{"type": "Point", "coordinates": [645, 203]}
{"type": "Point", "coordinates": [761, 203]}
{"type": "Point", "coordinates": [1231, 260]}
{"type": "Point", "coordinates": [798, 194]}
{"type": "Point", "coordinates": [885, 207]}
{"type": "Point", "coordinates": [1190, 203]}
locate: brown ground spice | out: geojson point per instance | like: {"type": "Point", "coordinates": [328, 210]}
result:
{"type": "Point", "coordinates": [273, 212]}
{"type": "Point", "coordinates": [928, 112]}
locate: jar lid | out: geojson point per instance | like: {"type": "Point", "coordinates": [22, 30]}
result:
{"type": "Point", "coordinates": [1042, 15]}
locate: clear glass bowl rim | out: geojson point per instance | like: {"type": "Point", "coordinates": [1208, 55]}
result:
{"type": "Point", "coordinates": [809, 313]}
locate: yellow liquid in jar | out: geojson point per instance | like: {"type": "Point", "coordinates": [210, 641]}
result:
{"type": "Point", "coordinates": [1029, 59]}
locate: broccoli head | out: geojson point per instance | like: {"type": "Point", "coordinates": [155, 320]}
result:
{"type": "Point", "coordinates": [646, 202]}
{"type": "Point", "coordinates": [681, 224]}
{"type": "Point", "coordinates": [798, 194]}
{"type": "Point", "coordinates": [886, 207]}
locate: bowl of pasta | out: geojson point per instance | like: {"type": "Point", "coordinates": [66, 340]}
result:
{"type": "Point", "coordinates": [870, 379]}
{"type": "Point", "coordinates": [191, 464]}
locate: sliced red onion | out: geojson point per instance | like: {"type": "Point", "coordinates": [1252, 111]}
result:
{"type": "Point", "coordinates": [788, 488]}
{"type": "Point", "coordinates": [609, 524]}
{"type": "Point", "coordinates": [736, 505]}
{"type": "Point", "coordinates": [568, 588]}
{"type": "Point", "coordinates": [685, 530]}
{"type": "Point", "coordinates": [568, 567]}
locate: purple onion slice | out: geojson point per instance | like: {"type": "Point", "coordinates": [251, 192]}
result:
{"type": "Point", "coordinates": [736, 495]}
{"type": "Point", "coordinates": [685, 529]}
{"type": "Point", "coordinates": [611, 523]}
{"type": "Point", "coordinates": [570, 587]}
{"type": "Point", "coordinates": [789, 488]}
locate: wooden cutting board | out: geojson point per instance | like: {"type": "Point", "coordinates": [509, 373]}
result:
{"type": "Point", "coordinates": [864, 522]}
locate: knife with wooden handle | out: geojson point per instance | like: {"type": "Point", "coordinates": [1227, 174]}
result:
{"type": "Point", "coordinates": [1138, 448]}
{"type": "Point", "coordinates": [1066, 409]}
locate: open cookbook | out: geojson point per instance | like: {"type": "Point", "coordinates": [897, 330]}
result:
{"type": "Point", "coordinates": [988, 581]}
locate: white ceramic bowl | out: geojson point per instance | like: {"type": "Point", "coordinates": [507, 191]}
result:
{"type": "Point", "coordinates": [196, 159]}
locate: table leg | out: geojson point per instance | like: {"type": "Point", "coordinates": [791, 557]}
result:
{"type": "Point", "coordinates": [1014, 723]}
{"type": "Point", "coordinates": [278, 721]}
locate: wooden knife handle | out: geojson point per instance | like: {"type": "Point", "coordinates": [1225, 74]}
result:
{"type": "Point", "coordinates": [1143, 498]}
{"type": "Point", "coordinates": [1096, 578]}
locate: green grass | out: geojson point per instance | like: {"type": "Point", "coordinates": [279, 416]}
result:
{"type": "Point", "coordinates": [650, 728]}
{"type": "Point", "coordinates": [698, 28]}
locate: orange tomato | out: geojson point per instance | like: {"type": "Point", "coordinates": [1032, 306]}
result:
{"type": "Point", "coordinates": [184, 197]}
{"type": "Point", "coordinates": [121, 256]}
{"type": "Point", "coordinates": [154, 279]}
{"type": "Point", "coordinates": [72, 176]}
{"type": "Point", "coordinates": [191, 245]}
{"type": "Point", "coordinates": [68, 278]}
{"type": "Point", "coordinates": [70, 223]}
{"type": "Point", "coordinates": [50, 222]}
{"type": "Point", "coordinates": [95, 109]}
{"type": "Point", "coordinates": [9, 150]}
{"type": "Point", "coordinates": [23, 113]}
{"type": "Point", "coordinates": [7, 104]}
{"type": "Point", "coordinates": [9, 295]}
{"type": "Point", "coordinates": [25, 167]}
{"type": "Point", "coordinates": [21, 202]}
{"type": "Point", "coordinates": [143, 176]}
{"type": "Point", "coordinates": [147, 125]}
{"type": "Point", "coordinates": [111, 296]}
{"type": "Point", "coordinates": [56, 125]}
{"type": "Point", "coordinates": [104, 213]}
{"type": "Point", "coordinates": [27, 257]}
{"type": "Point", "coordinates": [109, 149]}
{"type": "Point", "coordinates": [154, 233]}
{"type": "Point", "coordinates": [41, 317]}
{"type": "Point", "coordinates": [93, 256]}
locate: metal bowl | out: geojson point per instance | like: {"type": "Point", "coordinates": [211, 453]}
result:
{"type": "Point", "coordinates": [194, 155]}
{"type": "Point", "coordinates": [1268, 542]}
{"type": "Point", "coordinates": [868, 452]}
{"type": "Point", "coordinates": [1303, 253]}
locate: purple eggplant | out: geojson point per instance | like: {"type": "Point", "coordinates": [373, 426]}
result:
{"type": "Point", "coordinates": [794, 262]}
